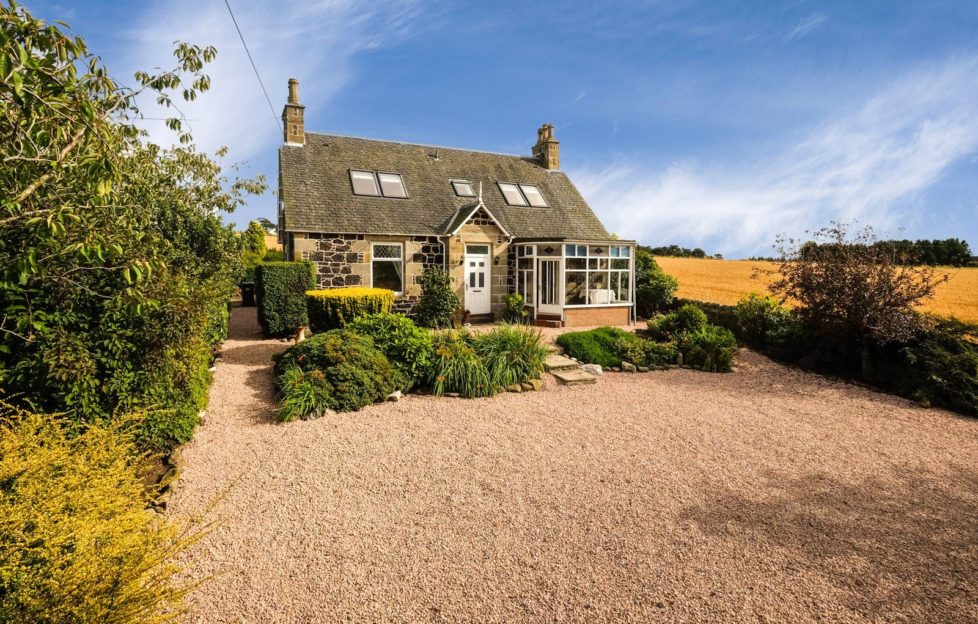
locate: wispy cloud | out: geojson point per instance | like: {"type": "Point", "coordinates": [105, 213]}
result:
{"type": "Point", "coordinates": [314, 41]}
{"type": "Point", "coordinates": [859, 165]}
{"type": "Point", "coordinates": [806, 25]}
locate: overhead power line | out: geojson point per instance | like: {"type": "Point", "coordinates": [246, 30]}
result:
{"type": "Point", "coordinates": [253, 66]}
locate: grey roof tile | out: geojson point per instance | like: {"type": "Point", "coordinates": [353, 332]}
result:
{"type": "Point", "coordinates": [315, 188]}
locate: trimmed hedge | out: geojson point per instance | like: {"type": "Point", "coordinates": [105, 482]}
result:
{"type": "Point", "coordinates": [281, 288]}
{"type": "Point", "coordinates": [335, 307]}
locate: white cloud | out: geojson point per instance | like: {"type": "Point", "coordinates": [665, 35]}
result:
{"type": "Point", "coordinates": [314, 41]}
{"type": "Point", "coordinates": [858, 166]}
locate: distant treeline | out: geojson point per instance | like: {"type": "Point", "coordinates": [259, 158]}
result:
{"type": "Point", "coordinates": [679, 252]}
{"type": "Point", "coordinates": [946, 252]}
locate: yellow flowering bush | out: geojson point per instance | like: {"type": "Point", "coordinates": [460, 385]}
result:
{"type": "Point", "coordinates": [77, 542]}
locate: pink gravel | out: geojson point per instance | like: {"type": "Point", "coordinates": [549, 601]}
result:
{"type": "Point", "coordinates": [765, 495]}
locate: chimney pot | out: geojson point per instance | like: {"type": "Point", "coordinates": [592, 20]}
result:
{"type": "Point", "coordinates": [293, 116]}
{"type": "Point", "coordinates": [547, 148]}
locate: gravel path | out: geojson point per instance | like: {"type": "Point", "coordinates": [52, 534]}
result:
{"type": "Point", "coordinates": [766, 495]}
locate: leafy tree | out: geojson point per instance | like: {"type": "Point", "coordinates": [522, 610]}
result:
{"type": "Point", "coordinates": [270, 227]}
{"type": "Point", "coordinates": [116, 268]}
{"type": "Point", "coordinates": [852, 290]}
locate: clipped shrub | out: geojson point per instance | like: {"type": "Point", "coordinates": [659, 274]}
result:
{"type": "Point", "coordinates": [333, 308]}
{"type": "Point", "coordinates": [646, 352]}
{"type": "Point", "coordinates": [407, 346]}
{"type": "Point", "coordinates": [280, 288]}
{"type": "Point", "coordinates": [274, 255]}
{"type": "Point", "coordinates": [596, 346]}
{"type": "Point", "coordinates": [710, 349]}
{"type": "Point", "coordinates": [688, 319]}
{"type": "Point", "coordinates": [515, 311]}
{"type": "Point", "coordinates": [458, 368]}
{"type": "Point", "coordinates": [439, 301]}
{"type": "Point", "coordinates": [303, 393]}
{"type": "Point", "coordinates": [356, 371]}
{"type": "Point", "coordinates": [79, 545]}
{"type": "Point", "coordinates": [512, 353]}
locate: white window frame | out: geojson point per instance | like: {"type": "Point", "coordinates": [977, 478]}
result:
{"type": "Point", "coordinates": [528, 253]}
{"type": "Point", "coordinates": [519, 193]}
{"type": "Point", "coordinates": [372, 174]}
{"type": "Point", "coordinates": [374, 258]}
{"type": "Point", "coordinates": [571, 251]}
{"type": "Point", "coordinates": [400, 178]}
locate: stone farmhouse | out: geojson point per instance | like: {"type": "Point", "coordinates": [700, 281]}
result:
{"type": "Point", "coordinates": [378, 213]}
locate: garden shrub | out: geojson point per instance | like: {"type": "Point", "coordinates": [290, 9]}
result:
{"type": "Point", "coordinates": [438, 303]}
{"type": "Point", "coordinates": [760, 320]}
{"type": "Point", "coordinates": [303, 393]}
{"type": "Point", "coordinates": [274, 255]}
{"type": "Point", "coordinates": [78, 544]}
{"type": "Point", "coordinates": [356, 371]}
{"type": "Point", "coordinates": [688, 319]}
{"type": "Point", "coordinates": [512, 353]}
{"type": "Point", "coordinates": [280, 289]}
{"type": "Point", "coordinates": [654, 289]}
{"type": "Point", "coordinates": [646, 352]}
{"type": "Point", "coordinates": [458, 368]}
{"type": "Point", "coordinates": [596, 346]}
{"type": "Point", "coordinates": [407, 346]}
{"type": "Point", "coordinates": [710, 348]}
{"type": "Point", "coordinates": [333, 308]}
{"type": "Point", "coordinates": [938, 367]}
{"type": "Point", "coordinates": [515, 310]}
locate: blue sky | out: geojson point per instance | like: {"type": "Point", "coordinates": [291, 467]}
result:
{"type": "Point", "coordinates": [711, 124]}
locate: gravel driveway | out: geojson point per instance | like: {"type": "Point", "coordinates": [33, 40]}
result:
{"type": "Point", "coordinates": [766, 495]}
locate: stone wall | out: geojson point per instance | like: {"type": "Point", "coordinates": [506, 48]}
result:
{"type": "Point", "coordinates": [344, 260]}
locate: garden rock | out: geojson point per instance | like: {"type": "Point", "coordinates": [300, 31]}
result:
{"type": "Point", "coordinates": [514, 388]}
{"type": "Point", "coordinates": [643, 369]}
{"type": "Point", "coordinates": [628, 367]}
{"type": "Point", "coordinates": [526, 386]}
{"type": "Point", "coordinates": [395, 396]}
{"type": "Point", "coordinates": [593, 369]}
{"type": "Point", "coordinates": [536, 384]}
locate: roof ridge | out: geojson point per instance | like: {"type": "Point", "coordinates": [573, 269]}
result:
{"type": "Point", "coordinates": [445, 147]}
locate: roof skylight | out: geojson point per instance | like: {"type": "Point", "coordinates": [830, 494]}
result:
{"type": "Point", "coordinates": [512, 194]}
{"type": "Point", "coordinates": [375, 184]}
{"type": "Point", "coordinates": [364, 183]}
{"type": "Point", "coordinates": [392, 185]}
{"type": "Point", "coordinates": [533, 195]}
{"type": "Point", "coordinates": [463, 188]}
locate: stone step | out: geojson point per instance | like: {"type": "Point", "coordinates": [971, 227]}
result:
{"type": "Point", "coordinates": [556, 362]}
{"type": "Point", "coordinates": [574, 377]}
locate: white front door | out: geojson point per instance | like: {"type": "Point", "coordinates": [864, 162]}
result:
{"type": "Point", "coordinates": [477, 279]}
{"type": "Point", "coordinates": [548, 287]}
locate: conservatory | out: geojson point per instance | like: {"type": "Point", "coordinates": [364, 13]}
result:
{"type": "Point", "coordinates": [570, 283]}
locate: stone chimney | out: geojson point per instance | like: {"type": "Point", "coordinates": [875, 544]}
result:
{"type": "Point", "coordinates": [547, 149]}
{"type": "Point", "coordinates": [292, 116]}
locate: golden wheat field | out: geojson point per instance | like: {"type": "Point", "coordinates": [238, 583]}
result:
{"type": "Point", "coordinates": [726, 281]}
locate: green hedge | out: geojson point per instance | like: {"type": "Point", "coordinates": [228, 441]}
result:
{"type": "Point", "coordinates": [335, 307]}
{"type": "Point", "coordinates": [596, 346]}
{"type": "Point", "coordinates": [281, 288]}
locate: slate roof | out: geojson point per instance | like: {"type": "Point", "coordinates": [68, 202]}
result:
{"type": "Point", "coordinates": [315, 188]}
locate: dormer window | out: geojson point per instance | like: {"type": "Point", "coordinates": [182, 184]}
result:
{"type": "Point", "coordinates": [522, 195]}
{"type": "Point", "coordinates": [375, 184]}
{"type": "Point", "coordinates": [463, 188]}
